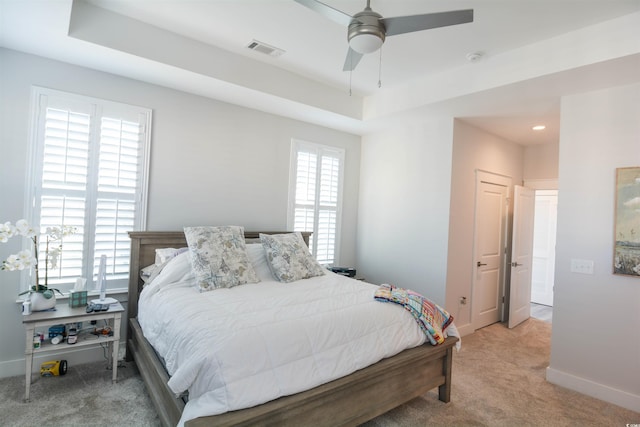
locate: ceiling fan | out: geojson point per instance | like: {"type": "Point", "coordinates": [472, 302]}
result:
{"type": "Point", "coordinates": [367, 30]}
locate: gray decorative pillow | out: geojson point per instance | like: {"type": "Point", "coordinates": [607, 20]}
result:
{"type": "Point", "coordinates": [289, 257]}
{"type": "Point", "coordinates": [219, 257]}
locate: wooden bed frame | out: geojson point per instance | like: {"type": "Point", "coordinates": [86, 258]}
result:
{"type": "Point", "coordinates": [350, 400]}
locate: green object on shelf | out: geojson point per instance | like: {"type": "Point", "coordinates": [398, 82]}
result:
{"type": "Point", "coordinates": [77, 299]}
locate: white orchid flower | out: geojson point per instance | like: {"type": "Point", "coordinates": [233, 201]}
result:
{"type": "Point", "coordinates": [7, 231]}
{"type": "Point", "coordinates": [54, 233]}
{"type": "Point", "coordinates": [68, 230]}
{"type": "Point", "coordinates": [19, 261]}
{"type": "Point", "coordinates": [11, 263]}
{"type": "Point", "coordinates": [23, 228]}
{"type": "Point", "coordinates": [25, 259]}
{"type": "Point", "coordinates": [53, 256]}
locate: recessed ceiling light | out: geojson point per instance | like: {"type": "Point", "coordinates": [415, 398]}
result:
{"type": "Point", "coordinates": [539, 127]}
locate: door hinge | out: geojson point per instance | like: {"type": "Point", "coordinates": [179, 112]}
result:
{"type": "Point", "coordinates": [503, 299]}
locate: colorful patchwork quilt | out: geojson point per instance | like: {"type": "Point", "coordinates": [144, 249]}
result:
{"type": "Point", "coordinates": [431, 318]}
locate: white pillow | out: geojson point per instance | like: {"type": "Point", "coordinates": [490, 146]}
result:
{"type": "Point", "coordinates": [219, 257]}
{"type": "Point", "coordinates": [146, 272]}
{"type": "Point", "coordinates": [177, 269]}
{"type": "Point", "coordinates": [289, 257]}
{"type": "Point", "coordinates": [258, 259]}
{"type": "Point", "coordinates": [165, 254]}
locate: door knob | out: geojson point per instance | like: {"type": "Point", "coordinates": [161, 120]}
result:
{"type": "Point", "coordinates": [515, 264]}
{"type": "Point", "coordinates": [480, 264]}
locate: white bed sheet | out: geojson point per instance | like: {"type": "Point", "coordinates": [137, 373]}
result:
{"type": "Point", "coordinates": [240, 347]}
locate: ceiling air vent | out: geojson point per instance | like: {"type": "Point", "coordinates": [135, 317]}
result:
{"type": "Point", "coordinates": [265, 48]}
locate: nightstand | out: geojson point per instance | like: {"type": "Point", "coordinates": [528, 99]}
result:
{"type": "Point", "coordinates": [65, 315]}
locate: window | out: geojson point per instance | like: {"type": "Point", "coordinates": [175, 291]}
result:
{"type": "Point", "coordinates": [315, 196]}
{"type": "Point", "coordinates": [88, 171]}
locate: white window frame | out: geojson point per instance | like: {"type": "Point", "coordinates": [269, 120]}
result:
{"type": "Point", "coordinates": [320, 150]}
{"type": "Point", "coordinates": [41, 98]}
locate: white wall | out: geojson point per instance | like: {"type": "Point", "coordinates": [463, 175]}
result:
{"type": "Point", "coordinates": [541, 162]}
{"type": "Point", "coordinates": [404, 206]}
{"type": "Point", "coordinates": [211, 163]}
{"type": "Point", "coordinates": [473, 149]}
{"type": "Point", "coordinates": [595, 347]}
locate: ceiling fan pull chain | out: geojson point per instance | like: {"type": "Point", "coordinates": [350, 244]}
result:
{"type": "Point", "coordinates": [380, 70]}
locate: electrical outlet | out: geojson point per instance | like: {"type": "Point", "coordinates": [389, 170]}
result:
{"type": "Point", "coordinates": [582, 266]}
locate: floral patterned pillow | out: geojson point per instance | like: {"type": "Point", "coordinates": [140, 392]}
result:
{"type": "Point", "coordinates": [219, 257]}
{"type": "Point", "coordinates": [289, 257]}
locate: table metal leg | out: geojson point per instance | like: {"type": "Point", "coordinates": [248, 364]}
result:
{"type": "Point", "coordinates": [28, 357]}
{"type": "Point", "coordinates": [115, 348]}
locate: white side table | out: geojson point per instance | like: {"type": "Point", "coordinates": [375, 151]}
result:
{"type": "Point", "coordinates": [64, 315]}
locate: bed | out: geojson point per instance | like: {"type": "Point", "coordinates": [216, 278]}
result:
{"type": "Point", "coordinates": [348, 400]}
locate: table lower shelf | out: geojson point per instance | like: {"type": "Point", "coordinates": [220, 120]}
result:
{"type": "Point", "coordinates": [83, 340]}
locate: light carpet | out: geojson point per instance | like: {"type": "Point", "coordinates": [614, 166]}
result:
{"type": "Point", "coordinates": [498, 380]}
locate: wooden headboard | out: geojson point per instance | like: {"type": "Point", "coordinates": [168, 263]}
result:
{"type": "Point", "coordinates": [143, 253]}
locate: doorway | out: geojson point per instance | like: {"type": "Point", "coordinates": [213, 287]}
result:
{"type": "Point", "coordinates": [519, 289]}
{"type": "Point", "coordinates": [490, 281]}
{"type": "Point", "coordinates": [544, 246]}
{"type": "Point", "coordinates": [544, 253]}
{"type": "Point", "coordinates": [490, 239]}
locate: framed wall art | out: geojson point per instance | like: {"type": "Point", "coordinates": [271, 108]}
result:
{"type": "Point", "coordinates": [627, 222]}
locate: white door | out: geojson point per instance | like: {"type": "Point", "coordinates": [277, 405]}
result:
{"type": "Point", "coordinates": [489, 242]}
{"type": "Point", "coordinates": [521, 255]}
{"type": "Point", "coordinates": [544, 247]}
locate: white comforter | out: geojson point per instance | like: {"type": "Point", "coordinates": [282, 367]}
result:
{"type": "Point", "coordinates": [240, 347]}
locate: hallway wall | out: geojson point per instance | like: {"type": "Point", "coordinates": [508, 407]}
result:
{"type": "Point", "coordinates": [595, 346]}
{"type": "Point", "coordinates": [473, 149]}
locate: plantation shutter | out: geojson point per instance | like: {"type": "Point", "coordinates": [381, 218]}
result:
{"type": "Point", "coordinates": [317, 190]}
{"type": "Point", "coordinates": [90, 173]}
{"type": "Point", "coordinates": [63, 199]}
{"type": "Point", "coordinates": [118, 181]}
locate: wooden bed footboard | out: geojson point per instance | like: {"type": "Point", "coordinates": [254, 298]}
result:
{"type": "Point", "coordinates": [356, 398]}
{"type": "Point", "coordinates": [347, 401]}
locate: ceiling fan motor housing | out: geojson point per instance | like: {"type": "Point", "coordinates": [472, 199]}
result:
{"type": "Point", "coordinates": [366, 31]}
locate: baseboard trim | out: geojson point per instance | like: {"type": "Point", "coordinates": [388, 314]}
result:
{"type": "Point", "coordinates": [593, 389]}
{"type": "Point", "coordinates": [73, 356]}
{"type": "Point", "coordinates": [465, 329]}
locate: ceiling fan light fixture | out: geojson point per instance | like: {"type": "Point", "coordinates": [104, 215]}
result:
{"type": "Point", "coordinates": [367, 29]}
{"type": "Point", "coordinates": [365, 43]}
{"type": "Point", "coordinates": [366, 32]}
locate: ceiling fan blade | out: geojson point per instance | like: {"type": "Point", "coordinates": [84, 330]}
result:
{"type": "Point", "coordinates": [327, 11]}
{"type": "Point", "coordinates": [411, 23]}
{"type": "Point", "coordinates": [352, 60]}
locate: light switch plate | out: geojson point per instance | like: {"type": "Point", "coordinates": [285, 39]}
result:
{"type": "Point", "coordinates": [582, 266]}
